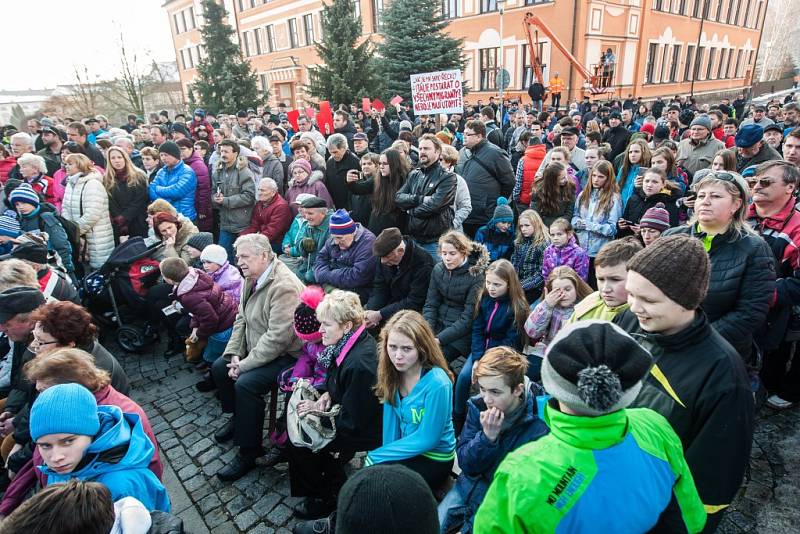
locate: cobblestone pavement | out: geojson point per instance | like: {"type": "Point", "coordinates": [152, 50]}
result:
{"type": "Point", "coordinates": [185, 420]}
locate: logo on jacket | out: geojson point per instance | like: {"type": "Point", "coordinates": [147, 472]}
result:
{"type": "Point", "coordinates": [567, 486]}
{"type": "Point", "coordinates": [416, 415]}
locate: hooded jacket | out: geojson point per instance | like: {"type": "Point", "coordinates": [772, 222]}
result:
{"type": "Point", "coordinates": [314, 185]}
{"type": "Point", "coordinates": [293, 236]}
{"type": "Point", "coordinates": [237, 185]}
{"type": "Point", "coordinates": [403, 287]}
{"type": "Point", "coordinates": [491, 178]}
{"type": "Point", "coordinates": [187, 230]}
{"type": "Point", "coordinates": [699, 383]}
{"type": "Point", "coordinates": [86, 204]}
{"type": "Point", "coordinates": [427, 196]}
{"type": "Point", "coordinates": [43, 219]}
{"type": "Point", "coordinates": [598, 227]}
{"type": "Point", "coordinates": [351, 269]}
{"type": "Point", "coordinates": [499, 244]}
{"type": "Point", "coordinates": [570, 255]}
{"type": "Point", "coordinates": [638, 204]}
{"type": "Point", "coordinates": [271, 218]}
{"type": "Point", "coordinates": [202, 195]}
{"type": "Point", "coordinates": [494, 325]}
{"type": "Point", "coordinates": [230, 280]}
{"type": "Point", "coordinates": [118, 458]}
{"type": "Point", "coordinates": [177, 186]}
{"type": "Point", "coordinates": [618, 138]}
{"type": "Point", "coordinates": [212, 309]}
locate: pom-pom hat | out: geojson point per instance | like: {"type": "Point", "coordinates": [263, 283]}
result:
{"type": "Point", "coordinates": [306, 324]}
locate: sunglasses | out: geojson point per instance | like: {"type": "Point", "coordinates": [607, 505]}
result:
{"type": "Point", "coordinates": [763, 182]}
{"type": "Point", "coordinates": [728, 177]}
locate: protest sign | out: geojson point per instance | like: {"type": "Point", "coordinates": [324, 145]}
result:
{"type": "Point", "coordinates": [292, 116]}
{"type": "Point", "coordinates": [437, 92]}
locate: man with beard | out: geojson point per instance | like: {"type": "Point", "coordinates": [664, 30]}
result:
{"type": "Point", "coordinates": [53, 140]}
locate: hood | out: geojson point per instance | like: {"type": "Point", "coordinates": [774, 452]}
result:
{"type": "Point", "coordinates": [477, 261]}
{"type": "Point", "coordinates": [221, 272]}
{"type": "Point", "coordinates": [120, 444]}
{"type": "Point", "coordinates": [188, 282]}
{"type": "Point", "coordinates": [536, 151]}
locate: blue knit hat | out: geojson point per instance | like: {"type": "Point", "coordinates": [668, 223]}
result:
{"type": "Point", "coordinates": [64, 409]}
{"type": "Point", "coordinates": [503, 212]}
{"type": "Point", "coordinates": [9, 225]}
{"type": "Point", "coordinates": [341, 223]}
{"type": "Point", "coordinates": [24, 193]}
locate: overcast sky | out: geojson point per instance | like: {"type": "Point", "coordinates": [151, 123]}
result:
{"type": "Point", "coordinates": [45, 38]}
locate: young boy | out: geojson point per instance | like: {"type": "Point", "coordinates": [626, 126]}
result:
{"type": "Point", "coordinates": [499, 420]}
{"type": "Point", "coordinates": [611, 270]}
{"type": "Point", "coordinates": [498, 234]}
{"type": "Point", "coordinates": [195, 246]}
{"type": "Point", "coordinates": [79, 439]}
{"type": "Point", "coordinates": [602, 467]}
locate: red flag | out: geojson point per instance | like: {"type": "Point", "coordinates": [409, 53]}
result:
{"type": "Point", "coordinates": [378, 105]}
{"type": "Point", "coordinates": [396, 100]}
{"type": "Point", "coordinates": [293, 116]}
{"type": "Point", "coordinates": [365, 105]}
{"type": "Point", "coordinates": [325, 118]}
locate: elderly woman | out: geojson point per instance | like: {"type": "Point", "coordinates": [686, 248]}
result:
{"type": "Point", "coordinates": [126, 185]}
{"type": "Point", "coordinates": [303, 180]}
{"type": "Point", "coordinates": [33, 169]}
{"type": "Point", "coordinates": [271, 166]}
{"type": "Point", "coordinates": [351, 357]}
{"type": "Point", "coordinates": [262, 345]}
{"type": "Point", "coordinates": [86, 204]}
{"type": "Point", "coordinates": [742, 281]}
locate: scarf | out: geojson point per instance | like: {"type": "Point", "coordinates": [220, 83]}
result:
{"type": "Point", "coordinates": [121, 175]}
{"type": "Point", "coordinates": [330, 352]}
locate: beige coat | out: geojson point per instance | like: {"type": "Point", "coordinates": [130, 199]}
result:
{"type": "Point", "coordinates": [263, 329]}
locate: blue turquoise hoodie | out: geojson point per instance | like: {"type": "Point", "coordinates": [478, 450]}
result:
{"type": "Point", "coordinates": [420, 424]}
{"type": "Point", "coordinates": [118, 458]}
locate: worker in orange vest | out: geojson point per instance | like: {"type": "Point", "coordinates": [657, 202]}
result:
{"type": "Point", "coordinates": [556, 86]}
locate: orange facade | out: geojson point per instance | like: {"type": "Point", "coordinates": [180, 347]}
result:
{"type": "Point", "coordinates": [661, 47]}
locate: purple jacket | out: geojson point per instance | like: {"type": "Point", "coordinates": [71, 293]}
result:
{"type": "Point", "coordinates": [230, 280]}
{"type": "Point", "coordinates": [212, 309]}
{"type": "Point", "coordinates": [570, 255]}
{"type": "Point", "coordinates": [307, 366]}
{"type": "Point", "coordinates": [352, 269]}
{"type": "Point", "coordinates": [543, 324]}
{"type": "Point", "coordinates": [313, 186]}
{"type": "Point", "coordinates": [202, 195]}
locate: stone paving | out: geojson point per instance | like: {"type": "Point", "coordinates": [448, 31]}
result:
{"type": "Point", "coordinates": [185, 420]}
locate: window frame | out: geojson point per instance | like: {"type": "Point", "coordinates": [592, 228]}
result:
{"type": "Point", "coordinates": [294, 36]}
{"type": "Point", "coordinates": [487, 83]}
{"type": "Point", "coordinates": [308, 29]}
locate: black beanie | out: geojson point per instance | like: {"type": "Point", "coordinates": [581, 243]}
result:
{"type": "Point", "coordinates": [171, 148]}
{"type": "Point", "coordinates": [200, 240]}
{"type": "Point", "coordinates": [390, 499]}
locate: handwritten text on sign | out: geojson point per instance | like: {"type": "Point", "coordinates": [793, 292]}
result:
{"type": "Point", "coordinates": [437, 92]}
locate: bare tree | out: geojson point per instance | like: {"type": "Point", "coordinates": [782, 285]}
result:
{"type": "Point", "coordinates": [131, 84]}
{"type": "Point", "coordinates": [86, 94]}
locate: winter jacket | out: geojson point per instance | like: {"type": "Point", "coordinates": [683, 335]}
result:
{"type": "Point", "coordinates": [361, 199]}
{"type": "Point", "coordinates": [238, 187]}
{"type": "Point", "coordinates": [43, 219]}
{"type": "Point", "coordinates": [700, 384]}
{"type": "Point", "coordinates": [767, 153]}
{"type": "Point", "coordinates": [349, 130]}
{"type": "Point", "coordinates": [6, 164]}
{"type": "Point", "coordinates": [313, 186]}
{"type": "Point", "coordinates": [187, 230]}
{"type": "Point", "coordinates": [319, 235]}
{"type": "Point", "coordinates": [427, 196]}
{"type": "Point", "coordinates": [228, 278]}
{"type": "Point", "coordinates": [526, 173]}
{"type": "Point", "coordinates": [54, 283]}
{"type": "Point", "coordinates": [462, 206]}
{"type": "Point", "coordinates": [638, 204]}
{"type": "Point", "coordinates": [419, 424]}
{"type": "Point", "coordinates": [694, 156]}
{"type": "Point", "coordinates": [202, 195]}
{"type": "Point", "coordinates": [494, 326]}
{"type": "Point", "coordinates": [86, 204]}
{"type": "Point", "coordinates": [479, 458]}
{"type": "Point", "coordinates": [177, 186]}
{"type": "Point", "coordinates": [212, 309]}
{"type": "Point", "coordinates": [127, 208]}
{"type": "Point", "coordinates": [594, 307]}
{"type": "Point", "coordinates": [544, 323]}
{"type": "Point", "coordinates": [263, 328]}
{"type": "Point", "coordinates": [527, 260]}
{"type": "Point", "coordinates": [307, 366]}
{"type": "Point", "coordinates": [274, 169]}
{"type": "Point", "coordinates": [570, 255]}
{"type": "Point", "coordinates": [626, 189]}
{"type": "Point", "coordinates": [351, 269]}
{"type": "Point", "coordinates": [566, 208]}
{"type": "Point", "coordinates": [271, 218]}
{"type": "Point", "coordinates": [598, 228]}
{"type": "Point", "coordinates": [499, 244]}
{"type": "Point", "coordinates": [118, 458]}
{"type": "Point", "coordinates": [351, 377]}
{"type": "Point", "coordinates": [488, 173]}
{"type": "Point", "coordinates": [741, 287]}
{"type": "Point", "coordinates": [336, 178]}
{"type": "Point", "coordinates": [620, 472]}
{"type": "Point", "coordinates": [293, 236]}
{"type": "Point", "coordinates": [450, 304]}
{"type": "Point", "coordinates": [403, 287]}
{"type": "Point", "coordinates": [618, 138]}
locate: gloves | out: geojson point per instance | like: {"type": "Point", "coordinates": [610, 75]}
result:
{"type": "Point", "coordinates": [308, 245]}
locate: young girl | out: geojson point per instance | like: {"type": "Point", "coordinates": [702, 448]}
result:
{"type": "Point", "coordinates": [215, 262]}
{"type": "Point", "coordinates": [498, 234]}
{"type": "Point", "coordinates": [654, 191]}
{"type": "Point", "coordinates": [664, 159]}
{"type": "Point", "coordinates": [597, 211]}
{"type": "Point", "coordinates": [500, 320]}
{"type": "Point", "coordinates": [416, 389]}
{"type": "Point", "coordinates": [637, 157]}
{"type": "Point", "coordinates": [553, 194]}
{"type": "Point", "coordinates": [532, 239]}
{"type": "Point", "coordinates": [592, 156]}
{"type": "Point", "coordinates": [563, 289]}
{"type": "Point", "coordinates": [561, 155]}
{"type": "Point", "coordinates": [564, 250]}
{"type": "Point", "coordinates": [724, 160]}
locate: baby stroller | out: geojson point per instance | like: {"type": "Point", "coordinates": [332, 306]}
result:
{"type": "Point", "coordinates": [120, 286]}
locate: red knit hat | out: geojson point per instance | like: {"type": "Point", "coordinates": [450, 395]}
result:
{"type": "Point", "coordinates": [306, 324]}
{"type": "Point", "coordinates": [648, 128]}
{"type": "Point", "coordinates": [656, 218]}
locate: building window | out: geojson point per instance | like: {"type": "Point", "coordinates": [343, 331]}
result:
{"type": "Point", "coordinates": [487, 6]}
{"type": "Point", "coordinates": [357, 9]}
{"type": "Point", "coordinates": [241, 5]}
{"type": "Point", "coordinates": [246, 41]}
{"type": "Point", "coordinates": [736, 72]}
{"type": "Point", "coordinates": [658, 5]}
{"type": "Point", "coordinates": [723, 56]}
{"type": "Point", "coordinates": [664, 62]}
{"type": "Point", "coordinates": [697, 8]}
{"type": "Point", "coordinates": [712, 55]}
{"type": "Point", "coordinates": [534, 2]}
{"type": "Point", "coordinates": [746, 19]}
{"type": "Point", "coordinates": [257, 36]}
{"type": "Point", "coordinates": [488, 62]}
{"type": "Point", "coordinates": [308, 27]}
{"type": "Point", "coordinates": [263, 79]}
{"type": "Point", "coordinates": [652, 50]}
{"type": "Point", "coordinates": [527, 66]}
{"type": "Point", "coordinates": [451, 9]}
{"type": "Point", "coordinates": [270, 35]}
{"type": "Point", "coordinates": [377, 15]}
{"type": "Point", "coordinates": [728, 73]}
{"type": "Point", "coordinates": [682, 10]}
{"type": "Point", "coordinates": [757, 21]}
{"type": "Point", "coordinates": [294, 39]}
{"type": "Point", "coordinates": [730, 12]}
{"type": "Point", "coordinates": [192, 24]}
{"type": "Point", "coordinates": [688, 71]}
{"type": "Point", "coordinates": [718, 14]}
{"type": "Point", "coordinates": [673, 68]}
{"type": "Point", "coordinates": [177, 26]}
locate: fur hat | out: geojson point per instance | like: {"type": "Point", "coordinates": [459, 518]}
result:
{"type": "Point", "coordinates": [306, 324]}
{"type": "Point", "coordinates": [388, 240]}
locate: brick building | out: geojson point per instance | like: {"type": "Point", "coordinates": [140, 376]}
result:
{"type": "Point", "coordinates": [662, 47]}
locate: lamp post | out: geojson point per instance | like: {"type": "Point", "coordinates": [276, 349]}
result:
{"type": "Point", "coordinates": [501, 4]}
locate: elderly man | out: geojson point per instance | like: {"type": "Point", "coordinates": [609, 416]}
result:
{"type": "Point", "coordinates": [262, 345]}
{"type": "Point", "coordinates": [307, 130]}
{"type": "Point", "coordinates": [234, 193]}
{"type": "Point", "coordinates": [271, 214]}
{"type": "Point", "coordinates": [21, 144]}
{"type": "Point", "coordinates": [76, 132]}
{"type": "Point", "coordinates": [773, 215]}
{"type": "Point", "coordinates": [759, 117]}
{"type": "Point", "coordinates": [401, 281]}
{"type": "Point", "coordinates": [751, 148]}
{"type": "Point", "coordinates": [697, 151]}
{"type": "Point", "coordinates": [341, 161]}
{"type": "Point", "coordinates": [577, 155]}
{"type": "Point", "coordinates": [346, 261]}
{"type": "Point", "coordinates": [313, 236]}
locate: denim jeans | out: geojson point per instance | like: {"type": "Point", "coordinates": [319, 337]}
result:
{"type": "Point", "coordinates": [452, 511]}
{"type": "Point", "coordinates": [216, 345]}
{"type": "Point", "coordinates": [226, 240]}
{"type": "Point", "coordinates": [462, 389]}
{"type": "Point", "coordinates": [431, 248]}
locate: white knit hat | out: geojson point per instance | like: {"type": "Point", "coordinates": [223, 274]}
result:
{"type": "Point", "coordinates": [214, 254]}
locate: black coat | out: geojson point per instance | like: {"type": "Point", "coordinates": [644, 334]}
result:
{"type": "Point", "coordinates": [336, 179]}
{"type": "Point", "coordinates": [427, 196]}
{"type": "Point", "coordinates": [361, 199]}
{"type": "Point", "coordinates": [488, 173]}
{"type": "Point", "coordinates": [741, 287]}
{"type": "Point", "coordinates": [638, 204]}
{"type": "Point", "coordinates": [130, 203]}
{"type": "Point", "coordinates": [618, 138]}
{"type": "Point", "coordinates": [404, 287]}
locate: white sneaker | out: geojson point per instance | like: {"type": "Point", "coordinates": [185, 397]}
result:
{"type": "Point", "coordinates": [778, 403]}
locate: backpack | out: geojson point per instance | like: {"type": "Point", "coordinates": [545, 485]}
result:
{"type": "Point", "coordinates": [72, 230]}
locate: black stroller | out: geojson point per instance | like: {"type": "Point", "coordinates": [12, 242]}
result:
{"type": "Point", "coordinates": [115, 293]}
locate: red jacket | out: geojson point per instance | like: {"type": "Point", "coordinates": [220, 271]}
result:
{"type": "Point", "coordinates": [213, 310]}
{"type": "Point", "coordinates": [272, 219]}
{"type": "Point", "coordinates": [531, 161]}
{"type": "Point", "coordinates": [6, 165]}
{"type": "Point", "coordinates": [29, 475]}
{"type": "Point", "coordinates": [719, 133]}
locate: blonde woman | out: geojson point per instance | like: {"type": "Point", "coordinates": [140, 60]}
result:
{"type": "Point", "coordinates": [127, 195]}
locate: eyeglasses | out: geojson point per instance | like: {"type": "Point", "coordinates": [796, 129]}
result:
{"type": "Point", "coordinates": [36, 345]}
{"type": "Point", "coordinates": [763, 182]}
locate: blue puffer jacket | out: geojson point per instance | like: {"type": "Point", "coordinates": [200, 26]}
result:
{"type": "Point", "coordinates": [494, 326]}
{"type": "Point", "coordinates": [118, 458]}
{"type": "Point", "coordinates": [177, 186]}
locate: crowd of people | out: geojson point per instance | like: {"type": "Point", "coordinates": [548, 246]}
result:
{"type": "Point", "coordinates": [573, 313]}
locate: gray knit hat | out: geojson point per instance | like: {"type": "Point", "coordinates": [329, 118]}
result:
{"type": "Point", "coordinates": [200, 240]}
{"type": "Point", "coordinates": [702, 120]}
{"type": "Point", "coordinates": [594, 367]}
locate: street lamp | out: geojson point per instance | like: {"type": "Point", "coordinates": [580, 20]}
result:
{"type": "Point", "coordinates": [501, 4]}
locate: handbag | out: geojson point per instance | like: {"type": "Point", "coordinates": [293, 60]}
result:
{"type": "Point", "coordinates": [316, 428]}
